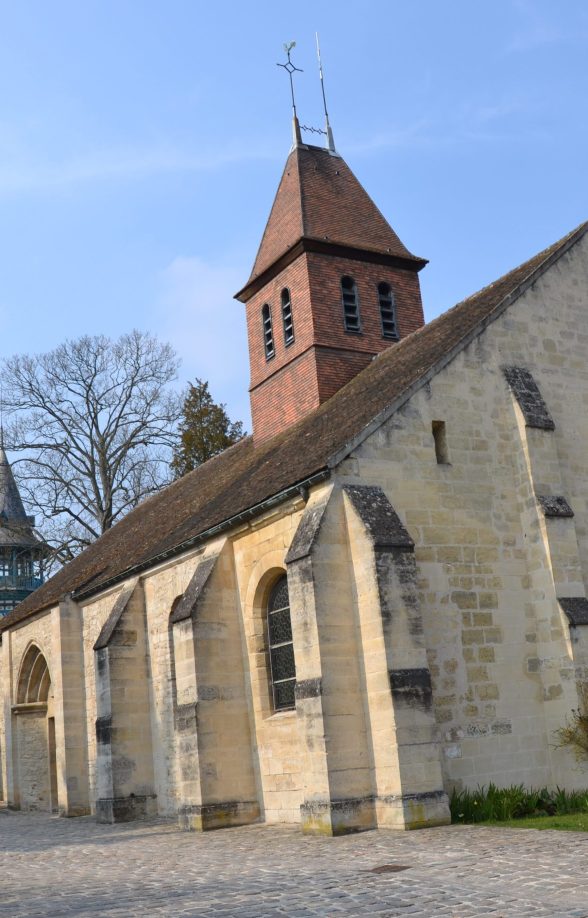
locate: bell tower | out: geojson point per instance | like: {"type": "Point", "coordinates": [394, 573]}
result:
{"type": "Point", "coordinates": [332, 285]}
{"type": "Point", "coordinates": [21, 552]}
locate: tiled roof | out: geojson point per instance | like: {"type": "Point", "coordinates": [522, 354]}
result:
{"type": "Point", "coordinates": [11, 506]}
{"type": "Point", "coordinates": [247, 474]}
{"type": "Point", "coordinates": [319, 198]}
{"type": "Point", "coordinates": [15, 525]}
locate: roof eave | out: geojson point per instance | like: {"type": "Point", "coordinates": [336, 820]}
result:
{"type": "Point", "coordinates": [214, 531]}
{"type": "Point", "coordinates": [334, 249]}
{"type": "Point", "coordinates": [273, 500]}
{"type": "Point", "coordinates": [447, 358]}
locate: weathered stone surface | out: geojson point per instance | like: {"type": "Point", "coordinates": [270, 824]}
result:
{"type": "Point", "coordinates": [189, 601]}
{"type": "Point", "coordinates": [576, 609]}
{"type": "Point", "coordinates": [104, 729]}
{"type": "Point", "coordinates": [113, 620]}
{"type": "Point", "coordinates": [307, 532]}
{"type": "Point", "coordinates": [527, 394]}
{"type": "Point", "coordinates": [412, 687]}
{"type": "Point", "coordinates": [553, 506]}
{"type": "Point", "coordinates": [381, 521]}
{"type": "Point", "coordinates": [204, 817]}
{"type": "Point", "coordinates": [308, 688]}
{"type": "Point", "coordinates": [125, 809]}
{"type": "Point", "coordinates": [187, 717]}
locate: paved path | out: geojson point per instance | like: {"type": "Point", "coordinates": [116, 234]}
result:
{"type": "Point", "coordinates": [51, 866]}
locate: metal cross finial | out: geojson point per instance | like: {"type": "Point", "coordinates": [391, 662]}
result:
{"type": "Point", "coordinates": [290, 69]}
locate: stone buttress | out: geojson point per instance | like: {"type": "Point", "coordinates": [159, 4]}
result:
{"type": "Point", "coordinates": [557, 590]}
{"type": "Point", "coordinates": [217, 783]}
{"type": "Point", "coordinates": [73, 793]}
{"type": "Point", "coordinates": [363, 693]}
{"type": "Point", "coordinates": [124, 761]}
{"type": "Point", "coordinates": [408, 784]}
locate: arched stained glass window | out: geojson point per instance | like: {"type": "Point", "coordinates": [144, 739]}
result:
{"type": "Point", "coordinates": [287, 317]}
{"type": "Point", "coordinates": [281, 648]}
{"type": "Point", "coordinates": [268, 333]}
{"type": "Point", "coordinates": [350, 304]}
{"type": "Point", "coordinates": [387, 311]}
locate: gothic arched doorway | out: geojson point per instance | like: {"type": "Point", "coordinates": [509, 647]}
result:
{"type": "Point", "coordinates": [36, 753]}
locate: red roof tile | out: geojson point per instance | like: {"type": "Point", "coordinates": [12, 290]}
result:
{"type": "Point", "coordinates": [247, 474]}
{"type": "Point", "coordinates": [319, 198]}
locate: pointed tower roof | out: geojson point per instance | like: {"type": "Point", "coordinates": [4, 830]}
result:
{"type": "Point", "coordinates": [16, 528]}
{"type": "Point", "coordinates": [11, 506]}
{"type": "Point", "coordinates": [319, 200]}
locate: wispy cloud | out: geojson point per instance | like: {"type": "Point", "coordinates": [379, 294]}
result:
{"type": "Point", "coordinates": [199, 317]}
{"type": "Point", "coordinates": [483, 122]}
{"type": "Point", "coordinates": [395, 138]}
{"type": "Point", "coordinates": [537, 29]}
{"type": "Point", "coordinates": [18, 175]}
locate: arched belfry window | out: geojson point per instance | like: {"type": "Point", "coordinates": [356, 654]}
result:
{"type": "Point", "coordinates": [287, 317]}
{"type": "Point", "coordinates": [268, 333]}
{"type": "Point", "coordinates": [387, 311]}
{"type": "Point", "coordinates": [350, 304]}
{"type": "Point", "coordinates": [281, 648]}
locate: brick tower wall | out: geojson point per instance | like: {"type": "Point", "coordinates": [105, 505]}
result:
{"type": "Point", "coordinates": [323, 356]}
{"type": "Point", "coordinates": [285, 397]}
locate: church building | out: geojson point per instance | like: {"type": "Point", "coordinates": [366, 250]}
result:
{"type": "Point", "coordinates": [376, 597]}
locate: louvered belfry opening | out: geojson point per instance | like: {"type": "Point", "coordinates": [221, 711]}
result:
{"type": "Point", "coordinates": [334, 270]}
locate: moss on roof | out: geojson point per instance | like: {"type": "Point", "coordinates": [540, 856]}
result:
{"type": "Point", "coordinates": [246, 474]}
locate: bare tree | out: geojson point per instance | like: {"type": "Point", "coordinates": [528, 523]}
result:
{"type": "Point", "coordinates": [96, 424]}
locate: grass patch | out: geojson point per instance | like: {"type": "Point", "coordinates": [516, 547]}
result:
{"type": "Point", "coordinates": [573, 822]}
{"type": "Point", "coordinates": [502, 805]}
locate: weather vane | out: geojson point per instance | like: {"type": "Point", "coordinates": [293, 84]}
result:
{"type": "Point", "coordinates": [290, 69]}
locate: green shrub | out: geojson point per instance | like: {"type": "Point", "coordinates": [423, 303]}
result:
{"type": "Point", "coordinates": [501, 804]}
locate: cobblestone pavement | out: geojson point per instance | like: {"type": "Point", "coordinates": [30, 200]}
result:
{"type": "Point", "coordinates": [51, 866]}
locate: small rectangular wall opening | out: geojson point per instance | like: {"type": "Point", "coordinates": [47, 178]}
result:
{"type": "Point", "coordinates": [440, 438]}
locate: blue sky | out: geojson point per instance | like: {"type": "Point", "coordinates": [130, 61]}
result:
{"type": "Point", "coordinates": [141, 144]}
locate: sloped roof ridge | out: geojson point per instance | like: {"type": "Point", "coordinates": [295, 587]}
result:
{"type": "Point", "coordinates": [11, 505]}
{"type": "Point", "coordinates": [273, 210]}
{"type": "Point", "coordinates": [531, 270]}
{"type": "Point", "coordinates": [320, 198]}
{"type": "Point", "coordinates": [151, 501]}
{"type": "Point", "coordinates": [394, 243]}
{"type": "Point", "coordinates": [535, 263]}
{"type": "Point", "coordinates": [525, 274]}
{"type": "Point", "coordinates": [248, 474]}
{"type": "Point", "coordinates": [303, 207]}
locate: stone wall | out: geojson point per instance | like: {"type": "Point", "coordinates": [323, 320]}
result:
{"type": "Point", "coordinates": [260, 552]}
{"type": "Point", "coordinates": [162, 588]}
{"type": "Point", "coordinates": [33, 761]}
{"type": "Point", "coordinates": [438, 605]}
{"type": "Point", "coordinates": [95, 614]}
{"type": "Point", "coordinates": [15, 732]}
{"type": "Point", "coordinates": [491, 564]}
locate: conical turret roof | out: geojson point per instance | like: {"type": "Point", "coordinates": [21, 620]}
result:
{"type": "Point", "coordinates": [319, 198]}
{"type": "Point", "coordinates": [11, 505]}
{"type": "Point", "coordinates": [16, 528]}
